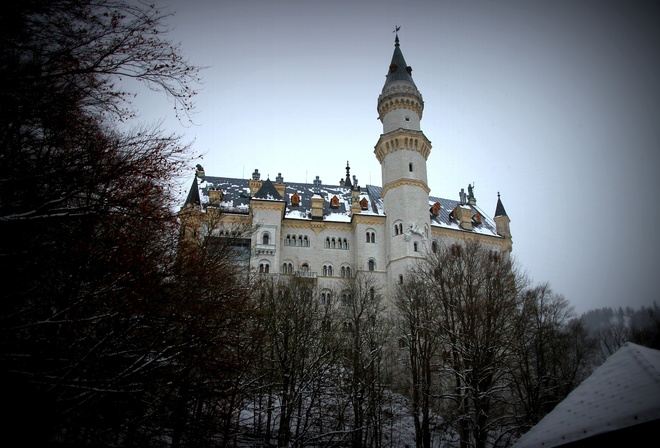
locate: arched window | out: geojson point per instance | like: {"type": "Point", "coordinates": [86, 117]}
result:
{"type": "Point", "coordinates": [368, 237]}
{"type": "Point", "coordinates": [348, 271]}
{"type": "Point", "coordinates": [400, 279]}
{"type": "Point", "coordinates": [346, 298]}
{"type": "Point", "coordinates": [372, 293]}
{"type": "Point", "coordinates": [264, 267]}
{"type": "Point", "coordinates": [373, 237]}
{"type": "Point", "coordinates": [287, 242]}
{"type": "Point", "coordinates": [329, 270]}
{"type": "Point", "coordinates": [410, 167]}
{"type": "Point", "coordinates": [327, 243]}
{"type": "Point", "coordinates": [300, 240]}
{"type": "Point", "coordinates": [400, 228]}
{"type": "Point", "coordinates": [326, 297]}
{"type": "Point", "coordinates": [434, 247]}
{"type": "Point", "coordinates": [325, 270]}
{"type": "Point", "coordinates": [306, 241]}
{"type": "Point", "coordinates": [304, 269]}
{"type": "Point", "coordinates": [372, 265]}
{"type": "Point", "coordinates": [265, 238]}
{"type": "Point", "coordinates": [345, 243]}
{"type": "Point", "coordinates": [415, 246]}
{"type": "Point", "coordinates": [332, 243]}
{"type": "Point", "coordinates": [343, 271]}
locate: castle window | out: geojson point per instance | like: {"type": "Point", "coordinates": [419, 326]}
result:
{"type": "Point", "coordinates": [410, 167]}
{"type": "Point", "coordinates": [300, 241]}
{"type": "Point", "coordinates": [327, 243]}
{"type": "Point", "coordinates": [346, 299]}
{"type": "Point", "coordinates": [334, 202]}
{"type": "Point", "coordinates": [332, 243]}
{"type": "Point", "coordinates": [407, 118]}
{"type": "Point", "coordinates": [434, 247]}
{"type": "Point", "coordinates": [400, 279]}
{"type": "Point", "coordinates": [345, 243]}
{"type": "Point", "coordinates": [305, 241]}
{"type": "Point", "coordinates": [287, 268]}
{"type": "Point", "coordinates": [304, 269]}
{"type": "Point", "coordinates": [326, 297]}
{"type": "Point", "coordinates": [295, 200]}
{"type": "Point", "coordinates": [266, 238]}
{"type": "Point", "coordinates": [415, 247]}
{"type": "Point", "coordinates": [287, 242]}
{"type": "Point", "coordinates": [364, 204]}
{"type": "Point", "coordinates": [371, 265]}
{"type": "Point", "coordinates": [368, 237]}
{"type": "Point", "coordinates": [372, 293]}
{"type": "Point", "coordinates": [264, 267]}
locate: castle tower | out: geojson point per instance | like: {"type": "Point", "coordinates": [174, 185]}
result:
{"type": "Point", "coordinates": [402, 151]}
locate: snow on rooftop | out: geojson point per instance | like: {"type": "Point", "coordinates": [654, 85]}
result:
{"type": "Point", "coordinates": [623, 392]}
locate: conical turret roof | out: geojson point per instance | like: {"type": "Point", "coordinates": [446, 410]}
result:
{"type": "Point", "coordinates": [399, 70]}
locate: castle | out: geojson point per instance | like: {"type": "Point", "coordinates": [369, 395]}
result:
{"type": "Point", "coordinates": [327, 232]}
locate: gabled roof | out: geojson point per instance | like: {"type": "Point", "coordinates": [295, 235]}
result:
{"type": "Point", "coordinates": [236, 199]}
{"type": "Point", "coordinates": [268, 192]}
{"type": "Point", "coordinates": [399, 70]}
{"type": "Point", "coordinates": [622, 393]}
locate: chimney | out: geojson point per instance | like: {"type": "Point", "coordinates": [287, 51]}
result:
{"type": "Point", "coordinates": [255, 183]}
{"type": "Point", "coordinates": [279, 184]}
{"type": "Point", "coordinates": [317, 207]}
{"type": "Point", "coordinates": [215, 196]}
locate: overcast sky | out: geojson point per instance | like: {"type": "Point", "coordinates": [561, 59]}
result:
{"type": "Point", "coordinates": [555, 104]}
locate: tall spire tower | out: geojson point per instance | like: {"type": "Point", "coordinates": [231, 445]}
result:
{"type": "Point", "coordinates": [402, 151]}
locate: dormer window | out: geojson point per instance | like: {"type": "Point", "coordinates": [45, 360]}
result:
{"type": "Point", "coordinates": [393, 68]}
{"type": "Point", "coordinates": [295, 200]}
{"type": "Point", "coordinates": [334, 202]}
{"type": "Point", "coordinates": [364, 204]}
{"type": "Point", "coordinates": [435, 209]}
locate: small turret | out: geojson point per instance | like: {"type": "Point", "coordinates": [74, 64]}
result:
{"type": "Point", "coordinates": [502, 219]}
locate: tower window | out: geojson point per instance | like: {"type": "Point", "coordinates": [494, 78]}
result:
{"type": "Point", "coordinates": [266, 239]}
{"type": "Point", "coordinates": [407, 118]}
{"type": "Point", "coordinates": [372, 265]}
{"type": "Point", "coordinates": [415, 247]}
{"type": "Point", "coordinates": [410, 167]}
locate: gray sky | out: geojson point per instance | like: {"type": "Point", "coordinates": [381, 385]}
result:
{"type": "Point", "coordinates": [555, 104]}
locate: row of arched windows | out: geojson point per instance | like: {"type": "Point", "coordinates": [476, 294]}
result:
{"type": "Point", "coordinates": [336, 243]}
{"type": "Point", "coordinates": [299, 240]}
{"type": "Point", "coordinates": [371, 237]}
{"type": "Point", "coordinates": [328, 270]}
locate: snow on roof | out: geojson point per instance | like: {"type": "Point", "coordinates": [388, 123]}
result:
{"type": "Point", "coordinates": [236, 199]}
{"type": "Point", "coordinates": [623, 392]}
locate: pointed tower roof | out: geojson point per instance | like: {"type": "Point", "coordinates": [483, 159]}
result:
{"type": "Point", "coordinates": [499, 209]}
{"type": "Point", "coordinates": [399, 70]}
{"type": "Point", "coordinates": [268, 192]}
{"type": "Point", "coordinates": [193, 195]}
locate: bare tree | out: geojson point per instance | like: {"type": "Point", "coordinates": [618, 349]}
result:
{"type": "Point", "coordinates": [88, 235]}
{"type": "Point", "coordinates": [366, 335]}
{"type": "Point", "coordinates": [300, 353]}
{"type": "Point", "coordinates": [418, 310]}
{"type": "Point", "coordinates": [542, 345]}
{"type": "Point", "coordinates": [463, 298]}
